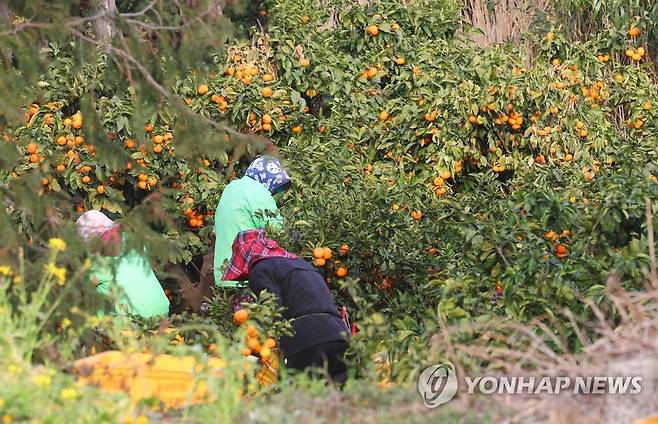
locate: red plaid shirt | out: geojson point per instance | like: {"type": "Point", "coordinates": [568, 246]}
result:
{"type": "Point", "coordinates": [249, 247]}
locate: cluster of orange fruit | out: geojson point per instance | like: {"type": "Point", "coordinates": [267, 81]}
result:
{"type": "Point", "coordinates": [516, 70]}
{"type": "Point", "coordinates": [635, 54]}
{"type": "Point", "coordinates": [439, 182]}
{"type": "Point", "coordinates": [322, 254]}
{"type": "Point", "coordinates": [159, 141]}
{"type": "Point", "coordinates": [590, 171]}
{"type": "Point", "coordinates": [603, 58]}
{"type": "Point", "coordinates": [371, 72]}
{"type": "Point", "coordinates": [597, 92]}
{"type": "Point", "coordinates": [144, 182]}
{"type": "Point", "coordinates": [253, 340]}
{"type": "Point", "coordinates": [512, 118]}
{"type": "Point", "coordinates": [561, 250]}
{"type": "Point", "coordinates": [194, 219]}
{"type": "Point", "coordinates": [581, 130]}
{"type": "Point", "coordinates": [243, 72]}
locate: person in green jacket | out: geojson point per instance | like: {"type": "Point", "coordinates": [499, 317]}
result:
{"type": "Point", "coordinates": [117, 270]}
{"type": "Point", "coordinates": [246, 204]}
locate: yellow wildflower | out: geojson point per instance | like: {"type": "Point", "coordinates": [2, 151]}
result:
{"type": "Point", "coordinates": [14, 369]}
{"type": "Point", "coordinates": [58, 272]}
{"type": "Point", "coordinates": [68, 394]}
{"type": "Point", "coordinates": [57, 244]}
{"type": "Point", "coordinates": [7, 419]}
{"type": "Point", "coordinates": [42, 380]}
{"type": "Point", "coordinates": [142, 419]}
{"type": "Point", "coordinates": [17, 280]}
{"type": "Point", "coordinates": [5, 270]}
{"type": "Point", "coordinates": [2, 403]}
{"type": "Point", "coordinates": [65, 323]}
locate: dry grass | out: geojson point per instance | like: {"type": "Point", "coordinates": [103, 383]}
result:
{"type": "Point", "coordinates": [624, 343]}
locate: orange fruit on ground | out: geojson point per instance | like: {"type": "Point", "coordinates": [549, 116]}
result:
{"type": "Point", "coordinates": [129, 143]}
{"type": "Point", "coordinates": [34, 158]}
{"type": "Point", "coordinates": [634, 32]}
{"type": "Point", "coordinates": [267, 119]}
{"type": "Point", "coordinates": [560, 249]}
{"type": "Point", "coordinates": [266, 92]}
{"type": "Point", "coordinates": [327, 253]}
{"type": "Point", "coordinates": [343, 249]}
{"type": "Point", "coordinates": [240, 316]}
{"type": "Point", "coordinates": [100, 189]}
{"type": "Point", "coordinates": [372, 71]}
{"type": "Point", "coordinates": [416, 215]}
{"type": "Point", "coordinates": [86, 179]}
{"type": "Point", "coordinates": [550, 36]}
{"type": "Point", "coordinates": [297, 129]}
{"type": "Point", "coordinates": [383, 116]}
{"type": "Point", "coordinates": [445, 174]}
{"type": "Point", "coordinates": [61, 167]}
{"type": "Point", "coordinates": [440, 191]}
{"type": "Point", "coordinates": [320, 261]}
{"type": "Point", "coordinates": [32, 148]}
{"type": "Point", "coordinates": [202, 89]}
{"type": "Point", "coordinates": [267, 127]}
{"type": "Point", "coordinates": [305, 62]}
{"type": "Point", "coordinates": [341, 272]}
{"type": "Point", "coordinates": [318, 253]}
{"type": "Point", "coordinates": [438, 181]}
{"type": "Point", "coordinates": [372, 30]}
{"type": "Point", "coordinates": [268, 77]}
{"type": "Point", "coordinates": [400, 61]}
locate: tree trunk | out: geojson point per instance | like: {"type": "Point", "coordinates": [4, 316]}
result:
{"type": "Point", "coordinates": [103, 26]}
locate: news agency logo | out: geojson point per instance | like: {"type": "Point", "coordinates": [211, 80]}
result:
{"type": "Point", "coordinates": [437, 384]}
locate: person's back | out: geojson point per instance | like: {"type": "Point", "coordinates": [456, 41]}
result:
{"type": "Point", "coordinates": [139, 289]}
{"type": "Point", "coordinates": [307, 299]}
{"type": "Point", "coordinates": [320, 335]}
{"type": "Point", "coordinates": [114, 269]}
{"type": "Point", "coordinates": [245, 204]}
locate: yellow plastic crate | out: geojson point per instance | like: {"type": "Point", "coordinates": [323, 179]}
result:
{"type": "Point", "coordinates": [165, 377]}
{"type": "Point", "coordinates": [650, 420]}
{"type": "Point", "coordinates": [268, 373]}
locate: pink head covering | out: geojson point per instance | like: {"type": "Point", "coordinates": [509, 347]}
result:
{"type": "Point", "coordinates": [94, 224]}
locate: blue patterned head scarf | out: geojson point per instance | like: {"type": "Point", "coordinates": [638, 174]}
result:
{"type": "Point", "coordinates": [268, 171]}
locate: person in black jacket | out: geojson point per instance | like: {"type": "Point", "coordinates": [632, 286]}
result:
{"type": "Point", "coordinates": [321, 337]}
